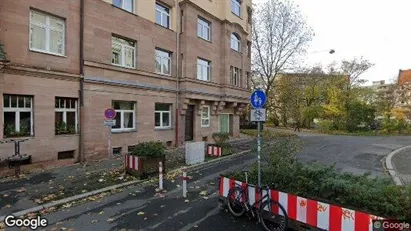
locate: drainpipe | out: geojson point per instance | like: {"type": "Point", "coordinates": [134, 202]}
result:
{"type": "Point", "coordinates": [178, 29]}
{"type": "Point", "coordinates": [80, 157]}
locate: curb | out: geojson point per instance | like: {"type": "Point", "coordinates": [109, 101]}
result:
{"type": "Point", "coordinates": [109, 188]}
{"type": "Point", "coordinates": [390, 167]}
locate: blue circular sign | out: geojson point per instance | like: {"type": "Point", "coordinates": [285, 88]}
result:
{"type": "Point", "coordinates": [110, 113]}
{"type": "Point", "coordinates": [258, 99]}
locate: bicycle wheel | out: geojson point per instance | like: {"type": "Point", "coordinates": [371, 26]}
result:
{"type": "Point", "coordinates": [236, 201]}
{"type": "Point", "coordinates": [269, 219]}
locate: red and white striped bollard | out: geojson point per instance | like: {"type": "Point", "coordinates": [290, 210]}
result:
{"type": "Point", "coordinates": [185, 178]}
{"type": "Point", "coordinates": [160, 175]}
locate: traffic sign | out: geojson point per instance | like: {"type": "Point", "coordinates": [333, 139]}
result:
{"type": "Point", "coordinates": [257, 115]}
{"type": "Point", "coordinates": [110, 113]}
{"type": "Point", "coordinates": [258, 99]}
{"type": "Point", "coordinates": [109, 123]}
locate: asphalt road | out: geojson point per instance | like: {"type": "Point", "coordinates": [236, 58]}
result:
{"type": "Point", "coordinates": [140, 208]}
{"type": "Point", "coordinates": [355, 154]}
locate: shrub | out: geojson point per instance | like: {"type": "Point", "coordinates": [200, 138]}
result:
{"type": "Point", "coordinates": [378, 196]}
{"type": "Point", "coordinates": [149, 149]}
{"type": "Point", "coordinates": [325, 125]}
{"type": "Point", "coordinates": [268, 133]}
{"type": "Point", "coordinates": [221, 140]}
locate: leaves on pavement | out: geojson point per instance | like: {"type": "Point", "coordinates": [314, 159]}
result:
{"type": "Point", "coordinates": [140, 213]}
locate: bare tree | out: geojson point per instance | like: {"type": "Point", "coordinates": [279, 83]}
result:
{"type": "Point", "coordinates": [355, 68]}
{"type": "Point", "coordinates": [280, 35]}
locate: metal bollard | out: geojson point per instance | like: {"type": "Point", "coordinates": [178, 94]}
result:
{"type": "Point", "coordinates": [185, 182]}
{"type": "Point", "coordinates": [160, 175]}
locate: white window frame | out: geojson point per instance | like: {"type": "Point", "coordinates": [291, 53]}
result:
{"type": "Point", "coordinates": [48, 30]}
{"type": "Point", "coordinates": [123, 48]}
{"type": "Point", "coordinates": [65, 110]}
{"type": "Point", "coordinates": [235, 4]}
{"type": "Point", "coordinates": [122, 111]}
{"type": "Point", "coordinates": [123, 5]}
{"type": "Point", "coordinates": [235, 76]}
{"type": "Point", "coordinates": [202, 27]}
{"type": "Point", "coordinates": [203, 67]}
{"type": "Point", "coordinates": [235, 42]}
{"type": "Point", "coordinates": [161, 112]}
{"type": "Point", "coordinates": [163, 14]}
{"type": "Point", "coordinates": [17, 111]}
{"type": "Point", "coordinates": [164, 56]}
{"type": "Point", "coordinates": [203, 119]}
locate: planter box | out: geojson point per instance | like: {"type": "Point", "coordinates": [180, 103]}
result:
{"type": "Point", "coordinates": [143, 167]}
{"type": "Point", "coordinates": [310, 212]}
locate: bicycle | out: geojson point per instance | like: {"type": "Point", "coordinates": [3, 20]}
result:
{"type": "Point", "coordinates": [262, 208]}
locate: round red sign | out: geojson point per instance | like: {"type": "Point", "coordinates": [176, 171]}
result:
{"type": "Point", "coordinates": [110, 113]}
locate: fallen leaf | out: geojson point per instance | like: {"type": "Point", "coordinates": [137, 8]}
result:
{"type": "Point", "coordinates": [119, 203]}
{"type": "Point", "coordinates": [197, 187]}
{"type": "Point", "coordinates": [186, 201]}
{"type": "Point", "coordinates": [101, 213]}
{"type": "Point", "coordinates": [145, 218]}
{"type": "Point", "coordinates": [140, 213]}
{"type": "Point", "coordinates": [195, 226]}
{"type": "Point", "coordinates": [212, 183]}
{"type": "Point", "coordinates": [21, 190]}
{"type": "Point", "coordinates": [5, 195]}
{"type": "Point", "coordinates": [63, 228]}
{"type": "Point", "coordinates": [203, 193]}
{"type": "Point", "coordinates": [7, 206]}
{"type": "Point", "coordinates": [205, 198]}
{"type": "Point", "coordinates": [59, 223]}
{"type": "Point", "coordinates": [68, 205]}
{"type": "Point", "coordinates": [178, 186]}
{"type": "Point", "coordinates": [155, 214]}
{"type": "Point", "coordinates": [162, 206]}
{"type": "Point", "coordinates": [110, 220]}
{"type": "Point", "coordinates": [94, 221]}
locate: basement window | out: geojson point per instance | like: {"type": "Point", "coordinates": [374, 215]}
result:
{"type": "Point", "coordinates": [117, 151]}
{"type": "Point", "coordinates": [65, 155]}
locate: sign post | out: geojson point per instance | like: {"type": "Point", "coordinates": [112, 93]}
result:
{"type": "Point", "coordinates": [258, 100]}
{"type": "Point", "coordinates": [110, 115]}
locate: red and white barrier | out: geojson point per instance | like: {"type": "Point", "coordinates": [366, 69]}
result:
{"type": "Point", "coordinates": [314, 213]}
{"type": "Point", "coordinates": [214, 150]}
{"type": "Point", "coordinates": [185, 178]}
{"type": "Point", "coordinates": [132, 162]}
{"type": "Point", "coordinates": [160, 175]}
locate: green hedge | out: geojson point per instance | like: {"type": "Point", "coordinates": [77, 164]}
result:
{"type": "Point", "coordinates": [268, 133]}
{"type": "Point", "coordinates": [377, 196]}
{"type": "Point", "coordinates": [149, 149]}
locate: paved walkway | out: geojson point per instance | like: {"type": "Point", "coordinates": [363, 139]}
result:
{"type": "Point", "coordinates": [56, 183]}
{"type": "Point", "coordinates": [402, 165]}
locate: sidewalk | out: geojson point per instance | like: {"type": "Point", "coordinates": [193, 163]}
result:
{"type": "Point", "coordinates": [57, 183]}
{"type": "Point", "coordinates": [401, 162]}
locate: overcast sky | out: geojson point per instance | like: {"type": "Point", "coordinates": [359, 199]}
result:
{"type": "Point", "coordinates": [376, 29]}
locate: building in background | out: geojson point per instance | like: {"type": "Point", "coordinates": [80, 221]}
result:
{"type": "Point", "coordinates": [173, 70]}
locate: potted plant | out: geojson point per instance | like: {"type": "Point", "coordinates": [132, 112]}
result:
{"type": "Point", "coordinates": [221, 140]}
{"type": "Point", "coordinates": [149, 155]}
{"type": "Point", "coordinates": [10, 131]}
{"type": "Point", "coordinates": [63, 128]}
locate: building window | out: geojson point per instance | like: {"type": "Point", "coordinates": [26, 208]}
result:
{"type": "Point", "coordinates": [235, 42]}
{"type": "Point", "coordinates": [66, 115]}
{"type": "Point", "coordinates": [46, 33]}
{"type": "Point", "coordinates": [17, 115]}
{"type": "Point", "coordinates": [162, 16]}
{"type": "Point", "coordinates": [203, 69]}
{"type": "Point", "coordinates": [203, 29]}
{"type": "Point", "coordinates": [125, 115]}
{"type": "Point", "coordinates": [236, 7]}
{"type": "Point", "coordinates": [163, 62]}
{"type": "Point", "coordinates": [127, 5]}
{"type": "Point", "coordinates": [162, 115]}
{"type": "Point", "coordinates": [123, 52]}
{"type": "Point", "coordinates": [117, 151]}
{"type": "Point", "coordinates": [205, 116]}
{"type": "Point", "coordinates": [249, 49]}
{"type": "Point", "coordinates": [235, 76]}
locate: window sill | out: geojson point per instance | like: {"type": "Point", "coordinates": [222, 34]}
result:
{"type": "Point", "coordinates": [123, 131]}
{"type": "Point", "coordinates": [202, 126]}
{"type": "Point", "coordinates": [66, 135]}
{"type": "Point", "coordinates": [209, 41]}
{"type": "Point", "coordinates": [237, 15]}
{"type": "Point", "coordinates": [47, 53]}
{"type": "Point", "coordinates": [118, 65]}
{"type": "Point", "coordinates": [163, 129]}
{"type": "Point", "coordinates": [17, 137]}
{"type": "Point", "coordinates": [168, 28]}
{"type": "Point", "coordinates": [239, 52]}
{"type": "Point", "coordinates": [159, 73]}
{"type": "Point", "coordinates": [202, 80]}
